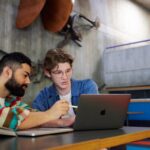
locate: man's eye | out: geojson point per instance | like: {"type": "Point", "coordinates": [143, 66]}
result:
{"type": "Point", "coordinates": [25, 75]}
{"type": "Point", "coordinates": [58, 72]}
{"type": "Point", "coordinates": [68, 70]}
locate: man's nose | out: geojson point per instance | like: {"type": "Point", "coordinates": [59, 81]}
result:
{"type": "Point", "coordinates": [64, 75]}
{"type": "Point", "coordinates": [28, 81]}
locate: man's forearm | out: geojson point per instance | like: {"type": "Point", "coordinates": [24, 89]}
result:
{"type": "Point", "coordinates": [35, 119]}
{"type": "Point", "coordinates": [64, 122]}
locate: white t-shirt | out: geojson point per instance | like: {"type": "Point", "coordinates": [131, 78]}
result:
{"type": "Point", "coordinates": [68, 98]}
{"type": "Point", "coordinates": [2, 102]}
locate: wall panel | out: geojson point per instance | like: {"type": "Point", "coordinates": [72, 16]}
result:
{"type": "Point", "coordinates": [115, 29]}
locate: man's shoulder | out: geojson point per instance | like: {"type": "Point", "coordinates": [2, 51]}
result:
{"type": "Point", "coordinates": [12, 98]}
{"type": "Point", "coordinates": [86, 86]}
{"type": "Point", "coordinates": [48, 90]}
{"type": "Point", "coordinates": [84, 81]}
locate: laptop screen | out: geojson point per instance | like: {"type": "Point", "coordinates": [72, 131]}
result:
{"type": "Point", "coordinates": [103, 111]}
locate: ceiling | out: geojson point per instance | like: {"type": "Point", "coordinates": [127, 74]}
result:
{"type": "Point", "coordinates": [145, 3]}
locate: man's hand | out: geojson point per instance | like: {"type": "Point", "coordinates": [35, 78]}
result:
{"type": "Point", "coordinates": [63, 122]}
{"type": "Point", "coordinates": [59, 109]}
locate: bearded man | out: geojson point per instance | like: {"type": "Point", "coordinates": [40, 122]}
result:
{"type": "Point", "coordinates": [15, 70]}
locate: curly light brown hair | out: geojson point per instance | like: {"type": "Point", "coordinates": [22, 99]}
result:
{"type": "Point", "coordinates": [54, 57]}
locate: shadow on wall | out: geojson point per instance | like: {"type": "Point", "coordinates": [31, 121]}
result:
{"type": "Point", "coordinates": [2, 53]}
{"type": "Point", "coordinates": [98, 75]}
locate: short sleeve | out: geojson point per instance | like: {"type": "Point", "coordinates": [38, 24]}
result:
{"type": "Point", "coordinates": [13, 114]}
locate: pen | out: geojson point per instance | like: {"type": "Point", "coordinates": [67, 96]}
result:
{"type": "Point", "coordinates": [73, 106]}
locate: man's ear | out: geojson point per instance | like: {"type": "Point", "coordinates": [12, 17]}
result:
{"type": "Point", "coordinates": [47, 74]}
{"type": "Point", "coordinates": [7, 71]}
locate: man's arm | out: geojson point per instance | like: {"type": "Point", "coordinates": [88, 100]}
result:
{"type": "Point", "coordinates": [35, 119]}
{"type": "Point", "coordinates": [61, 122]}
{"type": "Point", "coordinates": [20, 116]}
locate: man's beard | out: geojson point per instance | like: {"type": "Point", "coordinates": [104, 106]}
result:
{"type": "Point", "coordinates": [15, 88]}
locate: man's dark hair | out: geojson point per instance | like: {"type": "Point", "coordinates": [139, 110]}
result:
{"type": "Point", "coordinates": [13, 60]}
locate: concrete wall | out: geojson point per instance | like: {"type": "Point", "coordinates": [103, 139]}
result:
{"type": "Point", "coordinates": [122, 21]}
{"type": "Point", "coordinates": [127, 67]}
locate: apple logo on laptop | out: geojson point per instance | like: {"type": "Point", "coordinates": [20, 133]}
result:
{"type": "Point", "coordinates": [103, 112]}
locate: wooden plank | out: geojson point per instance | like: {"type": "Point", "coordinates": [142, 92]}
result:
{"type": "Point", "coordinates": [126, 88]}
{"type": "Point", "coordinates": [106, 142]}
{"type": "Point", "coordinates": [145, 100]}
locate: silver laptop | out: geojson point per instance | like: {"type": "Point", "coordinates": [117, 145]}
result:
{"type": "Point", "coordinates": [42, 131]}
{"type": "Point", "coordinates": [94, 112]}
{"type": "Point", "coordinates": [104, 111]}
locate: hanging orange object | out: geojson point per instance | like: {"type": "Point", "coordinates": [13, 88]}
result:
{"type": "Point", "coordinates": [28, 11]}
{"type": "Point", "coordinates": [55, 13]}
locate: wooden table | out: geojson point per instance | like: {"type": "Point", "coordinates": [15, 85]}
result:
{"type": "Point", "coordinates": [89, 140]}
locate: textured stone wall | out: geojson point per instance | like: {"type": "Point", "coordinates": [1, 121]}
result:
{"type": "Point", "coordinates": [121, 21]}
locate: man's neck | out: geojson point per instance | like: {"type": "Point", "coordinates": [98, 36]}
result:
{"type": "Point", "coordinates": [63, 91]}
{"type": "Point", "coordinates": [3, 92]}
